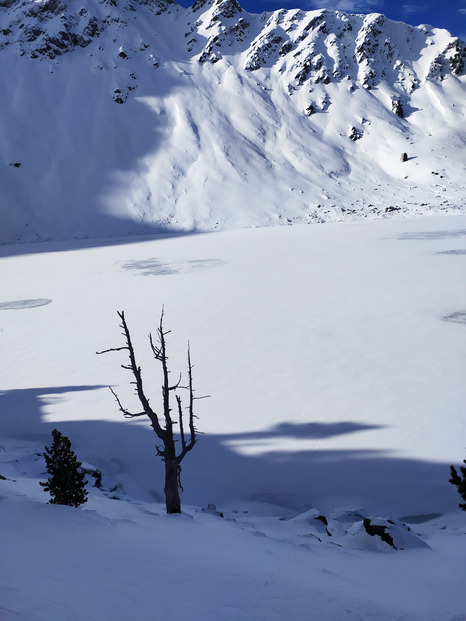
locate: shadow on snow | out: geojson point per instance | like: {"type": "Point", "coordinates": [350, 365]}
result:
{"type": "Point", "coordinates": [216, 472]}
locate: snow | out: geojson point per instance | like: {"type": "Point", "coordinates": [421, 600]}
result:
{"type": "Point", "coordinates": [334, 357]}
{"type": "Point", "coordinates": [130, 133]}
{"type": "Point", "coordinates": [160, 163]}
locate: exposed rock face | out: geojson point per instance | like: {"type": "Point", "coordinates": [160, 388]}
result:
{"type": "Point", "coordinates": [52, 27]}
{"type": "Point", "coordinates": [351, 529]}
{"type": "Point", "coordinates": [379, 530]}
{"type": "Point", "coordinates": [318, 46]}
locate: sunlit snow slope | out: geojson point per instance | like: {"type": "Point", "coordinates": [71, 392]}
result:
{"type": "Point", "coordinates": [126, 117]}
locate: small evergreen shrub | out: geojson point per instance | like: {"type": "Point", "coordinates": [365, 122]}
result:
{"type": "Point", "coordinates": [459, 482]}
{"type": "Point", "coordinates": [66, 483]}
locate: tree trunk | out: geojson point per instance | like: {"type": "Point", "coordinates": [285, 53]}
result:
{"type": "Point", "coordinates": [172, 494]}
{"type": "Point", "coordinates": [168, 451]}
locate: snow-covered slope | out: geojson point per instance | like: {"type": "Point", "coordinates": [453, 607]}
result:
{"type": "Point", "coordinates": [335, 360]}
{"type": "Point", "coordinates": [135, 116]}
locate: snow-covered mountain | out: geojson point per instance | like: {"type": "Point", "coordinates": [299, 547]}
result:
{"type": "Point", "coordinates": [126, 116]}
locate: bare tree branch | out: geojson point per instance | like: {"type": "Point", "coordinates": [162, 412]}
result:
{"type": "Point", "coordinates": [180, 419]}
{"type": "Point", "coordinates": [168, 451]}
{"type": "Point", "coordinates": [136, 371]}
{"type": "Point", "coordinates": [105, 351]}
{"type": "Point", "coordinates": [126, 413]}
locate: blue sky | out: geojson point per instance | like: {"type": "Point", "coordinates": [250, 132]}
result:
{"type": "Point", "coordinates": [449, 14]}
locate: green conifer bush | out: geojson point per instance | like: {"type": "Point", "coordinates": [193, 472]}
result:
{"type": "Point", "coordinates": [460, 482]}
{"type": "Point", "coordinates": [66, 483]}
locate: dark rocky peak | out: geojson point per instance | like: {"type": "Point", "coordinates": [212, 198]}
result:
{"type": "Point", "coordinates": [226, 9]}
{"type": "Point", "coordinates": [221, 8]}
{"type": "Point", "coordinates": [306, 47]}
{"type": "Point", "coordinates": [455, 54]}
{"type": "Point", "coordinates": [201, 4]}
{"type": "Point", "coordinates": [50, 28]}
{"type": "Point", "coordinates": [228, 28]}
{"type": "Point", "coordinates": [451, 60]}
{"type": "Point", "coordinates": [156, 6]}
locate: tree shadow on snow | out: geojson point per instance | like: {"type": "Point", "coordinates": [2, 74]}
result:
{"type": "Point", "coordinates": [304, 430]}
{"type": "Point", "coordinates": [218, 471]}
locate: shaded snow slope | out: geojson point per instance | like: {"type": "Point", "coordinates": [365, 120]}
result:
{"type": "Point", "coordinates": [131, 117]}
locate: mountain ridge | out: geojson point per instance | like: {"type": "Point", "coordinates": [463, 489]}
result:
{"type": "Point", "coordinates": [212, 117]}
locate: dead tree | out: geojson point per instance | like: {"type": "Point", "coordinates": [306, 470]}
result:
{"type": "Point", "coordinates": [163, 424]}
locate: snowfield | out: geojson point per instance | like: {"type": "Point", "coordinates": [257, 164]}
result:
{"type": "Point", "coordinates": [335, 360]}
{"type": "Point", "coordinates": [159, 155]}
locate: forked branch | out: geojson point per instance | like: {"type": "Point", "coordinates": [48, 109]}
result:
{"type": "Point", "coordinates": [136, 371]}
{"type": "Point", "coordinates": [167, 451]}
